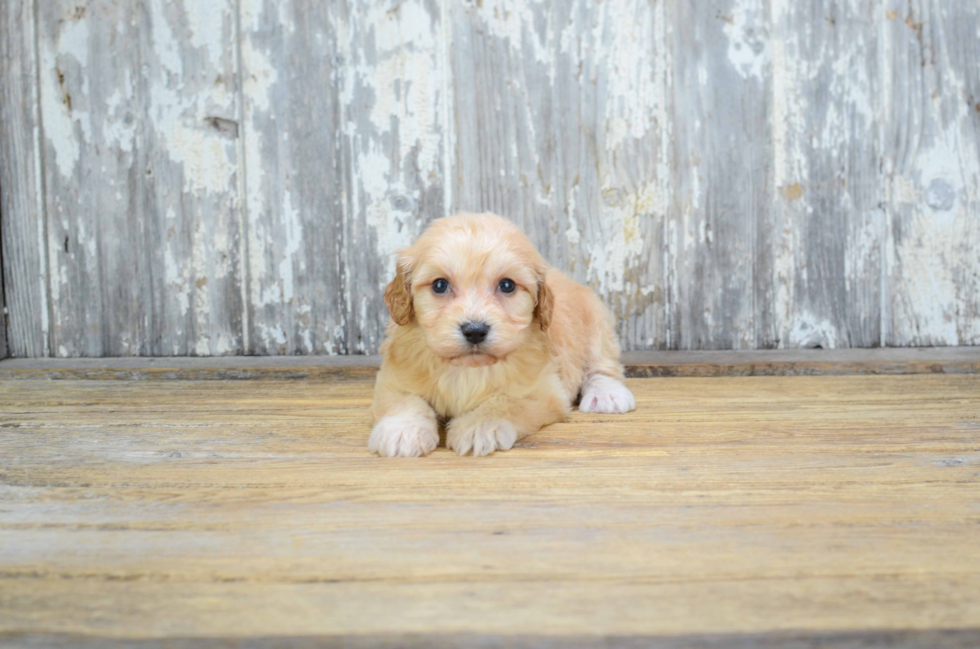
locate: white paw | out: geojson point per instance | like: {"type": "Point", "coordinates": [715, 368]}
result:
{"type": "Point", "coordinates": [404, 435]}
{"type": "Point", "coordinates": [481, 437]}
{"type": "Point", "coordinates": [605, 394]}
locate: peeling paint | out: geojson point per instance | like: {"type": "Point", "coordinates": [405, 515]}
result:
{"type": "Point", "coordinates": [857, 226]}
{"type": "Point", "coordinates": [64, 124]}
{"type": "Point", "coordinates": [178, 116]}
{"type": "Point", "coordinates": [610, 261]}
{"type": "Point", "coordinates": [748, 39]}
{"type": "Point", "coordinates": [634, 87]}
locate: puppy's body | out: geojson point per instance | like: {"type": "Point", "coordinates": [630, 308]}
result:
{"type": "Point", "coordinates": [547, 339]}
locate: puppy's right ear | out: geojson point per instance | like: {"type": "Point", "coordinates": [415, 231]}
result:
{"type": "Point", "coordinates": [398, 295]}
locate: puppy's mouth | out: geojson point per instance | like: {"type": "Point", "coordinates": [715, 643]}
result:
{"type": "Point", "coordinates": [474, 358]}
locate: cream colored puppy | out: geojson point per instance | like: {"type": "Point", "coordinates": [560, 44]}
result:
{"type": "Point", "coordinates": [488, 338]}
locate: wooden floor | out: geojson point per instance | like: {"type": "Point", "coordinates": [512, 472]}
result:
{"type": "Point", "coordinates": [724, 512]}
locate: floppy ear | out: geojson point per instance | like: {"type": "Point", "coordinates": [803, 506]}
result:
{"type": "Point", "coordinates": [545, 306]}
{"type": "Point", "coordinates": [398, 295]}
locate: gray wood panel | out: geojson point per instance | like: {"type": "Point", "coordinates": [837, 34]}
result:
{"type": "Point", "coordinates": [396, 119]}
{"type": "Point", "coordinates": [345, 163]}
{"type": "Point", "coordinates": [187, 179]}
{"type": "Point", "coordinates": [818, 277]}
{"type": "Point", "coordinates": [722, 172]}
{"type": "Point", "coordinates": [295, 176]}
{"type": "Point", "coordinates": [932, 160]}
{"type": "Point", "coordinates": [560, 113]}
{"type": "Point", "coordinates": [21, 220]}
{"type": "Point", "coordinates": [3, 307]}
{"type": "Point", "coordinates": [191, 237]}
{"type": "Point", "coordinates": [139, 108]}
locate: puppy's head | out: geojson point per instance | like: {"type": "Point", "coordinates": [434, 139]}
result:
{"type": "Point", "coordinates": [475, 285]}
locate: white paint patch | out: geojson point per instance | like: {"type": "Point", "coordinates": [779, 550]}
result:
{"type": "Point", "coordinates": [634, 85]}
{"type": "Point", "coordinates": [292, 228]}
{"type": "Point", "coordinates": [178, 111]}
{"type": "Point", "coordinates": [611, 260]}
{"type": "Point", "coordinates": [70, 50]}
{"type": "Point", "coordinates": [119, 128]}
{"type": "Point", "coordinates": [809, 332]}
{"type": "Point", "coordinates": [512, 21]}
{"type": "Point", "coordinates": [404, 82]}
{"type": "Point", "coordinates": [259, 77]}
{"type": "Point", "coordinates": [274, 333]}
{"type": "Point", "coordinates": [205, 21]}
{"type": "Point", "coordinates": [748, 39]}
{"type": "Point", "coordinates": [572, 232]}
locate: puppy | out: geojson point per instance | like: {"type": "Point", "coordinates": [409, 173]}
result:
{"type": "Point", "coordinates": [487, 337]}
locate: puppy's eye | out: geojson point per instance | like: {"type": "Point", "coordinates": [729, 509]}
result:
{"type": "Point", "coordinates": [440, 286]}
{"type": "Point", "coordinates": [507, 286]}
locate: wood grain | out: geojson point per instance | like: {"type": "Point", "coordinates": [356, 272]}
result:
{"type": "Point", "coordinates": [346, 161]}
{"type": "Point", "coordinates": [932, 161]}
{"type": "Point", "coordinates": [831, 505]}
{"type": "Point", "coordinates": [295, 176]}
{"type": "Point", "coordinates": [797, 639]}
{"type": "Point", "coordinates": [178, 179]}
{"type": "Point", "coordinates": [138, 104]}
{"type": "Point", "coordinates": [3, 306]}
{"type": "Point", "coordinates": [561, 115]}
{"type": "Point", "coordinates": [396, 113]}
{"type": "Point", "coordinates": [805, 362]}
{"type": "Point", "coordinates": [24, 268]}
{"type": "Point", "coordinates": [722, 173]}
{"type": "Point", "coordinates": [820, 273]}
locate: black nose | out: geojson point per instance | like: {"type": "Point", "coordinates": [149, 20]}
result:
{"type": "Point", "coordinates": [475, 332]}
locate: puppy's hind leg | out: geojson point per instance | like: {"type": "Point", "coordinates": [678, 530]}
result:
{"type": "Point", "coordinates": [603, 390]}
{"type": "Point", "coordinates": [604, 394]}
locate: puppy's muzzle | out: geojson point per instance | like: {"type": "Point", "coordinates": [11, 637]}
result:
{"type": "Point", "coordinates": [475, 332]}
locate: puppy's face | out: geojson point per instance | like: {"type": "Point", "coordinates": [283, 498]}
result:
{"type": "Point", "coordinates": [474, 284]}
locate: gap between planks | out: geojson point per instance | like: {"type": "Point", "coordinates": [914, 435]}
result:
{"type": "Point", "coordinates": [808, 362]}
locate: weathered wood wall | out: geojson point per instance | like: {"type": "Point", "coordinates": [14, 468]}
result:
{"type": "Point", "coordinates": [737, 174]}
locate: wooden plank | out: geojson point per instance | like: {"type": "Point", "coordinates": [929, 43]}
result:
{"type": "Point", "coordinates": [905, 639]}
{"type": "Point", "coordinates": [932, 161]}
{"type": "Point", "coordinates": [3, 304]}
{"type": "Point", "coordinates": [345, 159]}
{"type": "Point", "coordinates": [397, 120]}
{"type": "Point", "coordinates": [818, 275]}
{"type": "Point", "coordinates": [711, 169]}
{"type": "Point", "coordinates": [82, 62]}
{"type": "Point", "coordinates": [561, 118]}
{"type": "Point", "coordinates": [140, 96]}
{"type": "Point", "coordinates": [894, 361]}
{"type": "Point", "coordinates": [190, 232]}
{"type": "Point", "coordinates": [296, 177]}
{"type": "Point", "coordinates": [722, 173]}
{"type": "Point", "coordinates": [23, 264]}
{"type": "Point", "coordinates": [740, 507]}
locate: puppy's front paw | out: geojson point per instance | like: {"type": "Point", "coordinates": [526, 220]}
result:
{"type": "Point", "coordinates": [404, 435]}
{"type": "Point", "coordinates": [481, 437]}
{"type": "Point", "coordinates": [604, 394]}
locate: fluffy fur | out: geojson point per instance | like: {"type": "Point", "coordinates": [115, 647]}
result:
{"type": "Point", "coordinates": [549, 340]}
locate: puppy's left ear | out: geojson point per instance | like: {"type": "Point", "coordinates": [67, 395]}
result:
{"type": "Point", "coordinates": [545, 306]}
{"type": "Point", "coordinates": [398, 294]}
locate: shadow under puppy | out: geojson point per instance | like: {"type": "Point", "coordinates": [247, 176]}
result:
{"type": "Point", "coordinates": [486, 336]}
